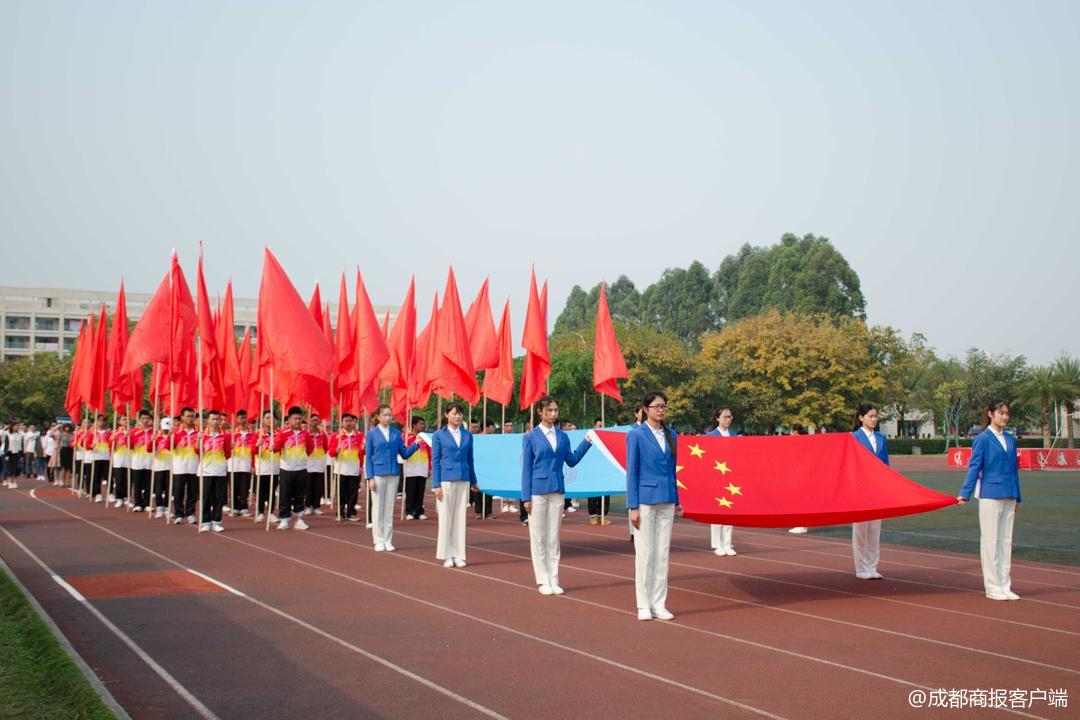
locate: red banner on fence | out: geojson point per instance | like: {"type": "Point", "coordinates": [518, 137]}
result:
{"type": "Point", "coordinates": [1027, 459]}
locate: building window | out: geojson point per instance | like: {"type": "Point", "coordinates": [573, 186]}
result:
{"type": "Point", "coordinates": [16, 342]}
{"type": "Point", "coordinates": [69, 343]}
{"type": "Point", "coordinates": [46, 343]}
{"type": "Point", "coordinates": [46, 324]}
{"type": "Point", "coordinates": [72, 325]}
{"type": "Point", "coordinates": [11, 358]}
{"type": "Point", "coordinates": [17, 322]}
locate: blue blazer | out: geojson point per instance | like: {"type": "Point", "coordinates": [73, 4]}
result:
{"type": "Point", "coordinates": [715, 432]}
{"type": "Point", "coordinates": [381, 455]}
{"type": "Point", "coordinates": [542, 467]}
{"type": "Point", "coordinates": [882, 452]}
{"type": "Point", "coordinates": [650, 471]}
{"type": "Point", "coordinates": [993, 467]}
{"type": "Point", "coordinates": [450, 462]}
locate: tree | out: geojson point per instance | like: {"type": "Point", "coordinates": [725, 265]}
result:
{"type": "Point", "coordinates": [740, 283]}
{"type": "Point", "coordinates": [1043, 386]}
{"type": "Point", "coordinates": [682, 302]}
{"type": "Point", "coordinates": [580, 312]}
{"type": "Point", "coordinates": [1067, 369]}
{"type": "Point", "coordinates": [905, 365]}
{"type": "Point", "coordinates": [991, 378]}
{"type": "Point", "coordinates": [951, 397]}
{"type": "Point", "coordinates": [32, 389]}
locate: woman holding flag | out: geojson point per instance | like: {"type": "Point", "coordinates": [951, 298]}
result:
{"type": "Point", "coordinates": [866, 536]}
{"type": "Point", "coordinates": [453, 474]}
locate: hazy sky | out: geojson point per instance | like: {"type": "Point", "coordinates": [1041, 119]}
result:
{"type": "Point", "coordinates": [935, 143]}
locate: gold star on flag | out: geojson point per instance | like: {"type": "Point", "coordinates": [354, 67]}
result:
{"type": "Point", "coordinates": [696, 451]}
{"type": "Point", "coordinates": [722, 467]}
{"type": "Point", "coordinates": [679, 483]}
{"type": "Point", "coordinates": [733, 489]}
{"type": "Point", "coordinates": [724, 502]}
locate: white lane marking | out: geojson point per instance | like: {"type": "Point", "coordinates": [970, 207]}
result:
{"type": "Point", "coordinates": [164, 674]}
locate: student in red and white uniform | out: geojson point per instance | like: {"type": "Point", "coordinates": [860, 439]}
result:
{"type": "Point", "coordinates": [142, 460]}
{"type": "Point", "coordinates": [297, 445]}
{"type": "Point", "coordinates": [185, 468]}
{"type": "Point", "coordinates": [347, 449]}
{"type": "Point", "coordinates": [316, 466]}
{"type": "Point", "coordinates": [267, 465]}
{"type": "Point", "coordinates": [162, 464]}
{"type": "Point", "coordinates": [417, 471]}
{"type": "Point", "coordinates": [244, 442]}
{"type": "Point", "coordinates": [78, 480]}
{"type": "Point", "coordinates": [121, 461]}
{"type": "Point", "coordinates": [214, 452]}
{"type": "Point", "coordinates": [100, 451]}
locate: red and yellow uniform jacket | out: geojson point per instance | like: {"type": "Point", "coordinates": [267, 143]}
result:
{"type": "Point", "coordinates": [267, 462]}
{"type": "Point", "coordinates": [121, 449]}
{"type": "Point", "coordinates": [348, 452]}
{"type": "Point", "coordinates": [216, 448]}
{"type": "Point", "coordinates": [185, 451]}
{"type": "Point", "coordinates": [142, 449]}
{"type": "Point", "coordinates": [101, 446]}
{"type": "Point", "coordinates": [317, 455]}
{"type": "Point", "coordinates": [244, 447]}
{"type": "Point", "coordinates": [298, 445]}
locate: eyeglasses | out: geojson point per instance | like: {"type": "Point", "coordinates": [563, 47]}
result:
{"type": "Point", "coordinates": [661, 408]}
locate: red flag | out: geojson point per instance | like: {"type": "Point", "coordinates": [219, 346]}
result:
{"type": "Point", "coordinates": [499, 381]}
{"type": "Point", "coordinates": [344, 347]}
{"type": "Point", "coordinates": [315, 305]}
{"type": "Point", "coordinates": [213, 391]}
{"type": "Point", "coordinates": [453, 370]}
{"type": "Point", "coordinates": [183, 323]}
{"type": "Point", "coordinates": [608, 362]}
{"type": "Point", "coordinates": [98, 369]}
{"type": "Point", "coordinates": [292, 341]}
{"type": "Point", "coordinates": [327, 328]}
{"type": "Point", "coordinates": [73, 399]}
{"type": "Point", "coordinates": [371, 351]}
{"type": "Point", "coordinates": [245, 399]}
{"type": "Point", "coordinates": [234, 378]}
{"type": "Point", "coordinates": [534, 340]}
{"type": "Point", "coordinates": [786, 481]}
{"type": "Point", "coordinates": [402, 346]}
{"type": "Point", "coordinates": [420, 380]}
{"type": "Point", "coordinates": [125, 388]}
{"type": "Point", "coordinates": [543, 304]}
{"type": "Point", "coordinates": [149, 341]}
{"type": "Point", "coordinates": [159, 386]}
{"type": "Point", "coordinates": [480, 327]}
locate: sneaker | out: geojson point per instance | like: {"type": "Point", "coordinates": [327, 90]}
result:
{"type": "Point", "coordinates": [245, 513]}
{"type": "Point", "coordinates": [283, 524]}
{"type": "Point", "coordinates": [797, 531]}
{"type": "Point", "coordinates": [545, 589]}
{"type": "Point", "coordinates": [997, 596]}
{"type": "Point", "coordinates": [111, 497]}
{"type": "Point", "coordinates": [204, 527]}
{"type": "Point", "coordinates": [448, 563]}
{"type": "Point", "coordinates": [409, 517]}
{"type": "Point", "coordinates": [459, 562]}
{"type": "Point", "coordinates": [127, 503]}
{"type": "Point", "coordinates": [353, 518]}
{"type": "Point", "coordinates": [274, 518]}
{"type": "Point", "coordinates": [525, 521]}
{"type": "Point", "coordinates": [369, 526]}
{"type": "Point", "coordinates": [422, 517]}
{"type": "Point", "coordinates": [556, 590]}
{"type": "Point", "coordinates": [593, 520]}
{"type": "Point", "coordinates": [605, 521]}
{"type": "Point", "coordinates": [663, 614]}
{"type": "Point", "coordinates": [178, 521]}
{"type": "Point", "coordinates": [731, 551]}
{"type": "Point", "coordinates": [390, 548]}
{"type": "Point", "coordinates": [307, 511]}
{"type": "Point", "coordinates": [380, 547]}
{"type": "Point", "coordinates": [572, 508]}
{"type": "Point", "coordinates": [644, 614]}
{"type": "Point", "coordinates": [217, 527]}
{"type": "Point", "coordinates": [190, 519]}
{"type": "Point", "coordinates": [118, 503]}
{"type": "Point", "coordinates": [97, 498]}
{"type": "Point", "coordinates": [159, 513]}
{"type": "Point", "coordinates": [300, 524]}
{"type": "Point", "coordinates": [866, 576]}
{"type": "Point", "coordinates": [1010, 595]}
{"type": "Point", "coordinates": [260, 518]}
{"type": "Point", "coordinates": [137, 508]}
{"type": "Point", "coordinates": [317, 511]}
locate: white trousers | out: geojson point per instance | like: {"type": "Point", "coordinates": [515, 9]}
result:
{"type": "Point", "coordinates": [996, 517]}
{"type": "Point", "coordinates": [652, 548]}
{"type": "Point", "coordinates": [451, 509]}
{"type": "Point", "coordinates": [720, 535]}
{"type": "Point", "coordinates": [545, 520]}
{"type": "Point", "coordinates": [866, 545]}
{"type": "Point", "coordinates": [382, 509]}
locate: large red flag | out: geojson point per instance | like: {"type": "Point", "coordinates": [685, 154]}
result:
{"type": "Point", "coordinates": [371, 351]}
{"type": "Point", "coordinates": [420, 379]}
{"type": "Point", "coordinates": [534, 340]}
{"type": "Point", "coordinates": [183, 324]}
{"type": "Point", "coordinates": [245, 399]}
{"type": "Point", "coordinates": [499, 381]}
{"type": "Point", "coordinates": [149, 341]}
{"type": "Point", "coordinates": [454, 371]}
{"type": "Point", "coordinates": [328, 332]}
{"type": "Point", "coordinates": [213, 391]}
{"type": "Point", "coordinates": [785, 481]}
{"type": "Point", "coordinates": [291, 339]}
{"type": "Point", "coordinates": [315, 305]}
{"type": "Point", "coordinates": [73, 399]}
{"type": "Point", "coordinates": [344, 348]}
{"type": "Point", "coordinates": [480, 326]}
{"type": "Point", "coordinates": [99, 366]}
{"type": "Point", "coordinates": [402, 346]}
{"type": "Point", "coordinates": [125, 388]}
{"type": "Point", "coordinates": [234, 378]}
{"type": "Point", "coordinates": [608, 362]}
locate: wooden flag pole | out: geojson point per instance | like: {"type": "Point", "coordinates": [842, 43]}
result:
{"type": "Point", "coordinates": [367, 492]}
{"type": "Point", "coordinates": [603, 423]}
{"type": "Point", "coordinates": [255, 460]}
{"type": "Point", "coordinates": [127, 416]}
{"type": "Point", "coordinates": [270, 497]}
{"type": "Point", "coordinates": [153, 452]}
{"type": "Point", "coordinates": [199, 441]}
{"type": "Point", "coordinates": [108, 478]}
{"type": "Point", "coordinates": [172, 447]}
{"type": "Point", "coordinates": [335, 491]}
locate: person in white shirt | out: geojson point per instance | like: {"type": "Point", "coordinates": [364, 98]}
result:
{"type": "Point", "coordinates": [720, 535]}
{"type": "Point", "coordinates": [866, 536]}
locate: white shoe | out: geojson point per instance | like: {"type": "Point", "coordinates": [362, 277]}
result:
{"type": "Point", "coordinates": [260, 518]}
{"type": "Point", "coordinates": [317, 511]}
{"type": "Point", "coordinates": [190, 519]}
{"type": "Point", "coordinates": [571, 509]}
{"type": "Point", "coordinates": [422, 517]}
{"type": "Point", "coordinates": [300, 524]}
{"type": "Point", "coordinates": [226, 508]}
{"type": "Point", "coordinates": [663, 614]}
{"type": "Point", "coordinates": [797, 531]}
{"type": "Point", "coordinates": [369, 526]}
{"type": "Point", "coordinates": [204, 527]}
{"type": "Point", "coordinates": [159, 513]}
{"type": "Point", "coordinates": [245, 513]}
{"type": "Point", "coordinates": [307, 511]}
{"type": "Point", "coordinates": [730, 551]}
{"type": "Point", "coordinates": [409, 517]}
{"type": "Point", "coordinates": [390, 548]}
{"type": "Point", "coordinates": [118, 503]}
{"type": "Point", "coordinates": [127, 503]}
{"type": "Point", "coordinates": [380, 547]}
{"type": "Point", "coordinates": [178, 521]}
{"type": "Point", "coordinates": [111, 497]}
{"type": "Point", "coordinates": [448, 563]}
{"type": "Point", "coordinates": [274, 518]}
{"type": "Point", "coordinates": [459, 562]}
{"type": "Point", "coordinates": [997, 596]}
{"type": "Point", "coordinates": [876, 576]}
{"type": "Point", "coordinates": [644, 614]}
{"type": "Point", "coordinates": [97, 499]}
{"type": "Point", "coordinates": [217, 527]}
{"type": "Point", "coordinates": [865, 576]}
{"type": "Point", "coordinates": [283, 524]}
{"type": "Point", "coordinates": [556, 590]}
{"type": "Point", "coordinates": [720, 552]}
{"type": "Point", "coordinates": [1010, 595]}
{"type": "Point", "coordinates": [545, 589]}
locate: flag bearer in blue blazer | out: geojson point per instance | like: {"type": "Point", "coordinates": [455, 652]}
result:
{"type": "Point", "coordinates": [383, 445]}
{"type": "Point", "coordinates": [544, 451]}
{"type": "Point", "coordinates": [653, 500]}
{"type": "Point", "coordinates": [866, 536]}
{"type": "Point", "coordinates": [993, 478]}
{"type": "Point", "coordinates": [720, 535]}
{"type": "Point", "coordinates": [452, 475]}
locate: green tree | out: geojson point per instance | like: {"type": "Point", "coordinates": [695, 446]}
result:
{"type": "Point", "coordinates": [995, 377]}
{"type": "Point", "coordinates": [740, 283]}
{"type": "Point", "coordinates": [1067, 369]}
{"type": "Point", "coordinates": [32, 389]}
{"type": "Point", "coordinates": [808, 275]}
{"type": "Point", "coordinates": [682, 302]}
{"type": "Point", "coordinates": [905, 366]}
{"type": "Point", "coordinates": [1043, 386]}
{"type": "Point", "coordinates": [624, 303]}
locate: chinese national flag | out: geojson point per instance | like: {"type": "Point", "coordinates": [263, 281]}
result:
{"type": "Point", "coordinates": [499, 381]}
{"type": "Point", "coordinates": [453, 369]}
{"type": "Point", "coordinates": [534, 340]}
{"type": "Point", "coordinates": [480, 327]}
{"type": "Point", "coordinates": [786, 481]}
{"type": "Point", "coordinates": [608, 363]}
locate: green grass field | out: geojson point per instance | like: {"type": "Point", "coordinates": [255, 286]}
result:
{"type": "Point", "coordinates": [37, 678]}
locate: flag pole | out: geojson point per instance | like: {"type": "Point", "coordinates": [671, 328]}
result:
{"type": "Point", "coordinates": [270, 497]}
{"type": "Point", "coordinates": [172, 446]}
{"type": "Point", "coordinates": [108, 478]}
{"type": "Point", "coordinates": [603, 423]}
{"type": "Point", "coordinates": [127, 439]}
{"type": "Point", "coordinates": [335, 491]}
{"type": "Point", "coordinates": [93, 460]}
{"type": "Point", "coordinates": [255, 460]}
{"type": "Point", "coordinates": [153, 452]}
{"type": "Point", "coordinates": [199, 442]}
{"type": "Point", "coordinates": [367, 492]}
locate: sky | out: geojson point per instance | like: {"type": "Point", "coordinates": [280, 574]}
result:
{"type": "Point", "coordinates": [934, 143]}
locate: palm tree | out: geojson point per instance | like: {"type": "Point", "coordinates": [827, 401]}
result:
{"type": "Point", "coordinates": [1042, 385]}
{"type": "Point", "coordinates": [1067, 369]}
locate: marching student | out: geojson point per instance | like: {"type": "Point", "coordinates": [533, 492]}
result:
{"type": "Point", "coordinates": [142, 460]}
{"type": "Point", "coordinates": [185, 468]}
{"type": "Point", "coordinates": [347, 450]}
{"type": "Point", "coordinates": [316, 466]}
{"type": "Point", "coordinates": [267, 467]}
{"type": "Point", "coordinates": [383, 445]}
{"type": "Point", "coordinates": [453, 473]}
{"type": "Point", "coordinates": [121, 461]}
{"type": "Point", "coordinates": [993, 478]}
{"type": "Point", "coordinates": [296, 446]}
{"type": "Point", "coordinates": [100, 451]}
{"type": "Point", "coordinates": [866, 536]}
{"type": "Point", "coordinates": [214, 452]}
{"type": "Point", "coordinates": [544, 451]}
{"type": "Point", "coordinates": [161, 465]}
{"type": "Point", "coordinates": [417, 470]}
{"type": "Point", "coordinates": [653, 500]}
{"type": "Point", "coordinates": [243, 448]}
{"type": "Point", "coordinates": [720, 535]}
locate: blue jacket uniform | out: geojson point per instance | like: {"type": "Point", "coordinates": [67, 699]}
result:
{"type": "Point", "coordinates": [993, 467]}
{"type": "Point", "coordinates": [715, 432]}
{"type": "Point", "coordinates": [381, 455]}
{"type": "Point", "coordinates": [650, 471]}
{"type": "Point", "coordinates": [882, 452]}
{"type": "Point", "coordinates": [450, 462]}
{"type": "Point", "coordinates": [542, 467]}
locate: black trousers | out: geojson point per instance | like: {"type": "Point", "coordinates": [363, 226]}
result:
{"type": "Point", "coordinates": [215, 490]}
{"type": "Point", "coordinates": [481, 503]}
{"type": "Point", "coordinates": [316, 486]}
{"type": "Point", "coordinates": [594, 505]}
{"type": "Point", "coordinates": [185, 492]}
{"type": "Point", "coordinates": [84, 481]}
{"type": "Point", "coordinates": [14, 464]}
{"type": "Point", "coordinates": [267, 484]}
{"type": "Point", "coordinates": [241, 487]}
{"type": "Point", "coordinates": [120, 483]}
{"type": "Point", "coordinates": [415, 487]}
{"type": "Point", "coordinates": [161, 487]}
{"type": "Point", "coordinates": [140, 487]}
{"type": "Point", "coordinates": [293, 491]}
{"type": "Point", "coordinates": [101, 476]}
{"type": "Point", "coordinates": [348, 494]}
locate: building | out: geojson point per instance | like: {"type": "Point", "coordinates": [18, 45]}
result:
{"type": "Point", "coordinates": [40, 319]}
{"type": "Point", "coordinates": [917, 423]}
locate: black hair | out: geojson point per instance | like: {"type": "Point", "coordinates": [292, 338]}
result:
{"type": "Point", "coordinates": [213, 412]}
{"type": "Point", "coordinates": [720, 411]}
{"type": "Point", "coordinates": [295, 410]}
{"type": "Point", "coordinates": [240, 413]}
{"type": "Point", "coordinates": [993, 407]}
{"type": "Point", "coordinates": [187, 409]}
{"type": "Point", "coordinates": [144, 413]}
{"type": "Point", "coordinates": [646, 401]}
{"type": "Point", "coordinates": [489, 423]}
{"type": "Point", "coordinates": [860, 411]}
{"type": "Point", "coordinates": [798, 429]}
{"type": "Point", "coordinates": [346, 416]}
{"type": "Point", "coordinates": [416, 420]}
{"type": "Point", "coordinates": [313, 416]}
{"type": "Point", "coordinates": [382, 407]}
{"type": "Point", "coordinates": [542, 403]}
{"type": "Point", "coordinates": [453, 406]}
